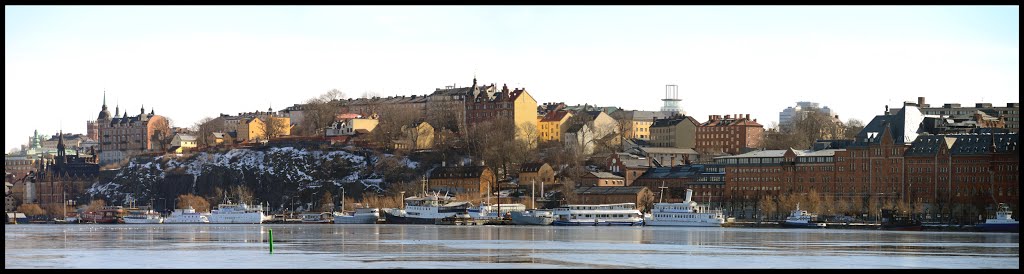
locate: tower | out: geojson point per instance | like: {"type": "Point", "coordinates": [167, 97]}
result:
{"type": "Point", "coordinates": [671, 101]}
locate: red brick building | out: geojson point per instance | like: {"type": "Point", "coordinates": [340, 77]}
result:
{"type": "Point", "coordinates": [731, 134]}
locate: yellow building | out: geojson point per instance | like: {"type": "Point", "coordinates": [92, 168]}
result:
{"type": "Point", "coordinates": [422, 135]}
{"type": "Point", "coordinates": [552, 125]}
{"type": "Point", "coordinates": [474, 180]}
{"type": "Point", "coordinates": [639, 121]}
{"type": "Point", "coordinates": [183, 142]}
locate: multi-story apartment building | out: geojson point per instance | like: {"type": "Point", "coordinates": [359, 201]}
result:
{"type": "Point", "coordinates": [125, 136]}
{"type": "Point", "coordinates": [677, 132]}
{"type": "Point", "coordinates": [889, 161]}
{"type": "Point", "coordinates": [670, 183]}
{"type": "Point", "coordinates": [790, 114]}
{"type": "Point", "coordinates": [473, 180]}
{"type": "Point", "coordinates": [516, 106]}
{"type": "Point", "coordinates": [731, 134]}
{"type": "Point", "coordinates": [1010, 112]}
{"type": "Point", "coordinates": [637, 123]}
{"type": "Point", "coordinates": [553, 125]}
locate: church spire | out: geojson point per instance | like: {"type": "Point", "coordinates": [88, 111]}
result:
{"type": "Point", "coordinates": [104, 98]}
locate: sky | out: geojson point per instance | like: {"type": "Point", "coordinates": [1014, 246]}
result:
{"type": "Point", "coordinates": [190, 62]}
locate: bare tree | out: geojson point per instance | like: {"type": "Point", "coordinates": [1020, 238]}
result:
{"type": "Point", "coordinates": [196, 202]}
{"type": "Point", "coordinates": [319, 112]}
{"type": "Point", "coordinates": [327, 202]}
{"type": "Point", "coordinates": [243, 193]}
{"type": "Point", "coordinates": [853, 126]}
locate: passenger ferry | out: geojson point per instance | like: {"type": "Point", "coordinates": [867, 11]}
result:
{"type": "Point", "coordinates": [187, 216]}
{"type": "Point", "coordinates": [238, 214]}
{"type": "Point", "coordinates": [427, 209]}
{"type": "Point", "coordinates": [143, 217]}
{"type": "Point", "coordinates": [687, 213]}
{"type": "Point", "coordinates": [360, 216]}
{"type": "Point", "coordinates": [596, 215]}
{"type": "Point", "coordinates": [1003, 222]}
{"type": "Point", "coordinates": [801, 219]}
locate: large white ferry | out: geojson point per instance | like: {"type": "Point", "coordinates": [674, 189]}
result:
{"type": "Point", "coordinates": [427, 209]}
{"type": "Point", "coordinates": [595, 215]}
{"type": "Point", "coordinates": [687, 213]}
{"type": "Point", "coordinates": [187, 216]}
{"type": "Point", "coordinates": [801, 219]}
{"type": "Point", "coordinates": [143, 217]}
{"type": "Point", "coordinates": [238, 214]}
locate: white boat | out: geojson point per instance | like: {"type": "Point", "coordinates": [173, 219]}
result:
{"type": "Point", "coordinates": [143, 217]}
{"type": "Point", "coordinates": [320, 218]}
{"type": "Point", "coordinates": [360, 216]}
{"type": "Point", "coordinates": [595, 215]}
{"type": "Point", "coordinates": [427, 209]}
{"type": "Point", "coordinates": [187, 216]}
{"type": "Point", "coordinates": [238, 214]}
{"type": "Point", "coordinates": [1003, 222]}
{"type": "Point", "coordinates": [533, 217]}
{"type": "Point", "coordinates": [801, 219]}
{"type": "Point", "coordinates": [488, 211]}
{"type": "Point", "coordinates": [687, 213]}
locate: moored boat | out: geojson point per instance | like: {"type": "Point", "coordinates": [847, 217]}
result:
{"type": "Point", "coordinates": [238, 214]}
{"type": "Point", "coordinates": [360, 216]}
{"type": "Point", "coordinates": [533, 217]}
{"type": "Point", "coordinates": [106, 215]}
{"type": "Point", "coordinates": [143, 217]}
{"type": "Point", "coordinates": [801, 219]}
{"type": "Point", "coordinates": [687, 213]}
{"type": "Point", "coordinates": [1003, 222]}
{"type": "Point", "coordinates": [892, 220]}
{"type": "Point", "coordinates": [426, 209]}
{"type": "Point", "coordinates": [187, 216]}
{"type": "Point", "coordinates": [598, 215]}
{"type": "Point", "coordinates": [318, 218]}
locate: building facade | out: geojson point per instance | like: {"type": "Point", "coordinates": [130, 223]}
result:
{"type": "Point", "coordinates": [126, 136]}
{"type": "Point", "coordinates": [731, 134]}
{"type": "Point", "coordinates": [553, 125]}
{"type": "Point", "coordinates": [677, 132]}
{"type": "Point", "coordinates": [1010, 112]}
{"type": "Point", "coordinates": [472, 180]}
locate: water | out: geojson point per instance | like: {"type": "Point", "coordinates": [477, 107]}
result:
{"type": "Point", "coordinates": [428, 246]}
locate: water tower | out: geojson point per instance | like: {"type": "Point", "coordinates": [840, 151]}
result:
{"type": "Point", "coordinates": [671, 106]}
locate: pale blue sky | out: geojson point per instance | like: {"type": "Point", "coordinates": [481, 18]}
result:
{"type": "Point", "coordinates": [190, 62]}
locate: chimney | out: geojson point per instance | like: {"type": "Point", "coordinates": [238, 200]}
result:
{"type": "Point", "coordinates": [727, 116]}
{"type": "Point", "coordinates": [748, 116]}
{"type": "Point", "coordinates": [711, 117]}
{"type": "Point", "coordinates": [920, 101]}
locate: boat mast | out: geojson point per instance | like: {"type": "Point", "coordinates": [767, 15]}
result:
{"type": "Point", "coordinates": [662, 196]}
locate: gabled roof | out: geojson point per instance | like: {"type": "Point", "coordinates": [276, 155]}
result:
{"type": "Point", "coordinates": [603, 175]}
{"type": "Point", "coordinates": [904, 127]}
{"type": "Point", "coordinates": [554, 116]}
{"type": "Point", "coordinates": [531, 167]}
{"type": "Point", "coordinates": [673, 122]}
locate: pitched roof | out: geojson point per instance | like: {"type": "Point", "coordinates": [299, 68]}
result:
{"type": "Point", "coordinates": [609, 190]}
{"type": "Point", "coordinates": [531, 167]}
{"type": "Point", "coordinates": [668, 150]}
{"type": "Point", "coordinates": [604, 175]}
{"type": "Point", "coordinates": [554, 116]}
{"type": "Point", "coordinates": [904, 127]}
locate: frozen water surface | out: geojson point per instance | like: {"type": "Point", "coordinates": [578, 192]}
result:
{"type": "Point", "coordinates": [428, 246]}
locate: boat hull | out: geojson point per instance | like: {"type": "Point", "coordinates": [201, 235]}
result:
{"type": "Point", "coordinates": [143, 221]}
{"type": "Point", "coordinates": [999, 227]}
{"type": "Point", "coordinates": [520, 219]}
{"type": "Point", "coordinates": [902, 227]}
{"type": "Point", "coordinates": [236, 218]}
{"type": "Point", "coordinates": [802, 225]}
{"type": "Point", "coordinates": [369, 219]}
{"type": "Point", "coordinates": [599, 223]}
{"type": "Point", "coordinates": [680, 223]}
{"type": "Point", "coordinates": [392, 219]}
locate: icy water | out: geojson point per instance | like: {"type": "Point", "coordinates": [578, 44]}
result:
{"type": "Point", "coordinates": [429, 246]}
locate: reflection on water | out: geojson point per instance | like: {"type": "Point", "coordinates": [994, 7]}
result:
{"type": "Point", "coordinates": [429, 246]}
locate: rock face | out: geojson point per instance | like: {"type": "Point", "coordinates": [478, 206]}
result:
{"type": "Point", "coordinates": [278, 177]}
